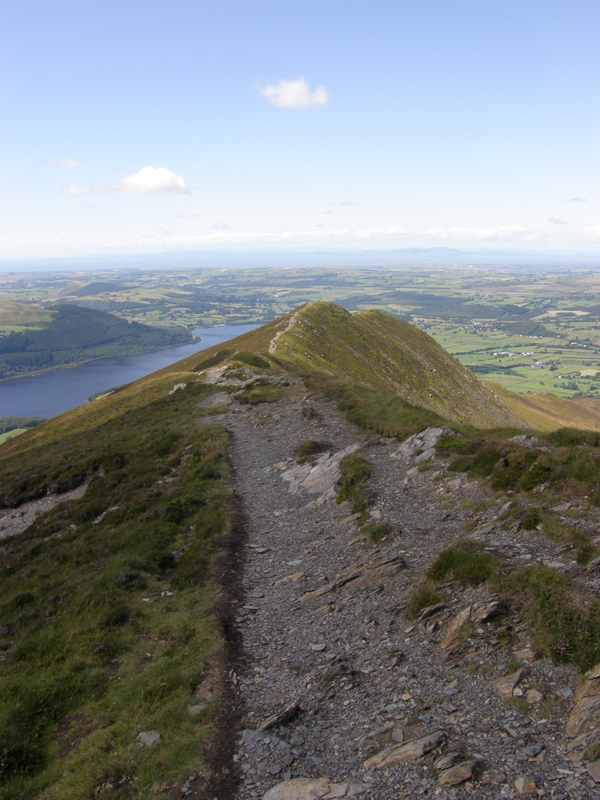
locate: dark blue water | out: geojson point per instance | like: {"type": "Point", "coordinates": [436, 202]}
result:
{"type": "Point", "coordinates": [53, 393]}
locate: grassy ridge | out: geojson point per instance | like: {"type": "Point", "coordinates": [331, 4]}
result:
{"type": "Point", "coordinates": [106, 621]}
{"type": "Point", "coordinates": [377, 352]}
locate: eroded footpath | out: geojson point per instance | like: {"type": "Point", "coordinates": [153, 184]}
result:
{"type": "Point", "coordinates": [338, 685]}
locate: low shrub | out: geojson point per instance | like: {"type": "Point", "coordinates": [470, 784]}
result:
{"type": "Point", "coordinates": [376, 531]}
{"type": "Point", "coordinates": [310, 449]}
{"type": "Point", "coordinates": [563, 627]}
{"type": "Point", "coordinates": [466, 563]}
{"type": "Point", "coordinates": [252, 359]}
{"type": "Point", "coordinates": [213, 361]}
{"type": "Point", "coordinates": [356, 470]}
{"type": "Point", "coordinates": [422, 597]}
{"type": "Point", "coordinates": [255, 395]}
{"type": "Point", "coordinates": [308, 412]}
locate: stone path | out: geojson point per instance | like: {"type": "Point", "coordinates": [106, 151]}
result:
{"type": "Point", "coordinates": [339, 686]}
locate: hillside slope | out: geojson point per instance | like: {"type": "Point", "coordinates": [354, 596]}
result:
{"type": "Point", "coordinates": [67, 334]}
{"type": "Point", "coordinates": [549, 412]}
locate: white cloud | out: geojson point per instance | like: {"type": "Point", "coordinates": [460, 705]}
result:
{"type": "Point", "coordinates": [557, 221]}
{"type": "Point", "coordinates": [76, 191]}
{"type": "Point", "coordinates": [220, 226]}
{"type": "Point", "coordinates": [295, 94]}
{"type": "Point", "coordinates": [152, 179]}
{"type": "Point", "coordinates": [578, 200]}
{"type": "Point", "coordinates": [70, 163]}
{"type": "Point", "coordinates": [148, 180]}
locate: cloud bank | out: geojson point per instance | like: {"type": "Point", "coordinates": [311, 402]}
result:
{"type": "Point", "coordinates": [295, 95]}
{"type": "Point", "coordinates": [148, 180]}
{"type": "Point", "coordinates": [506, 236]}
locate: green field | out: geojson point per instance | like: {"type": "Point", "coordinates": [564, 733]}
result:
{"type": "Point", "coordinates": [5, 437]}
{"type": "Point", "coordinates": [530, 330]}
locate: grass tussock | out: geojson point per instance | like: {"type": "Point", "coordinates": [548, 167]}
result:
{"type": "Point", "coordinates": [356, 471]}
{"type": "Point", "coordinates": [259, 393]}
{"type": "Point", "coordinates": [252, 360]}
{"type": "Point", "coordinates": [213, 361]}
{"type": "Point", "coordinates": [309, 413]}
{"type": "Point", "coordinates": [565, 626]}
{"type": "Point", "coordinates": [377, 531]}
{"type": "Point", "coordinates": [309, 450]}
{"type": "Point", "coordinates": [466, 563]}
{"type": "Point", "coordinates": [570, 467]}
{"type": "Point", "coordinates": [422, 597]}
{"type": "Point", "coordinates": [105, 603]}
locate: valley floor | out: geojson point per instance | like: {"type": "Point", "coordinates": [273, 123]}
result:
{"type": "Point", "coordinates": [364, 675]}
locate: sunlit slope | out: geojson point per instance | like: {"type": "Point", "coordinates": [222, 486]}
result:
{"type": "Point", "coordinates": [549, 412]}
{"type": "Point", "coordinates": [15, 316]}
{"type": "Point", "coordinates": [374, 350]}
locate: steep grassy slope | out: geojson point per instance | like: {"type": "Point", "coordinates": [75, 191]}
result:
{"type": "Point", "coordinates": [549, 412]}
{"type": "Point", "coordinates": [377, 352]}
{"type": "Point", "coordinates": [73, 335]}
{"type": "Point", "coordinates": [107, 622]}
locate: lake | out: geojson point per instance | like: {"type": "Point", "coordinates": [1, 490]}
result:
{"type": "Point", "coordinates": [53, 393]}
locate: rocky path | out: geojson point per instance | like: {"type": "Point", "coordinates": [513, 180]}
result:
{"type": "Point", "coordinates": [380, 705]}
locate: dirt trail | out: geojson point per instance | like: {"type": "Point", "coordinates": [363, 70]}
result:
{"type": "Point", "coordinates": [289, 326]}
{"type": "Point", "coordinates": [348, 655]}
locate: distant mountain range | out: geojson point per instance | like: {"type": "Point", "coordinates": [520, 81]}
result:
{"type": "Point", "coordinates": [331, 257]}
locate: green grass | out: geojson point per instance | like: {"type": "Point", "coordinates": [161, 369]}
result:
{"type": "Point", "coordinates": [356, 470]}
{"type": "Point", "coordinates": [310, 449]}
{"type": "Point", "coordinates": [106, 621]}
{"type": "Point", "coordinates": [377, 531]}
{"type": "Point", "coordinates": [217, 358]}
{"type": "Point", "coordinates": [571, 469]}
{"type": "Point", "coordinates": [6, 437]}
{"type": "Point", "coordinates": [565, 626]}
{"type": "Point", "coordinates": [422, 597]}
{"type": "Point", "coordinates": [464, 562]}
{"type": "Point", "coordinates": [375, 412]}
{"type": "Point", "coordinates": [259, 393]}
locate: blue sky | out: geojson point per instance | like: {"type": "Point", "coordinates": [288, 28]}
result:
{"type": "Point", "coordinates": [142, 125]}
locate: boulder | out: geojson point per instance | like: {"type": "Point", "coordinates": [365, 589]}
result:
{"type": "Point", "coordinates": [319, 478]}
{"type": "Point", "coordinates": [424, 441]}
{"type": "Point", "coordinates": [458, 774]}
{"type": "Point", "coordinates": [148, 738]}
{"type": "Point", "coordinates": [506, 685]}
{"type": "Point", "coordinates": [585, 717]}
{"type": "Point", "coordinates": [411, 751]}
{"type": "Point", "coordinates": [525, 784]}
{"type": "Point", "coordinates": [314, 789]}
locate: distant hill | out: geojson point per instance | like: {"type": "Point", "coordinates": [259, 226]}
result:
{"type": "Point", "coordinates": [98, 287]}
{"type": "Point", "coordinates": [69, 334]}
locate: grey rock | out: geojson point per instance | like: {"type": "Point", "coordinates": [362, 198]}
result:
{"type": "Point", "coordinates": [148, 738]}
{"type": "Point", "coordinates": [525, 784]}
{"type": "Point", "coordinates": [458, 774]}
{"type": "Point", "coordinates": [411, 751]}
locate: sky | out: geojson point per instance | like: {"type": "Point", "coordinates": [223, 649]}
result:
{"type": "Point", "coordinates": [145, 126]}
